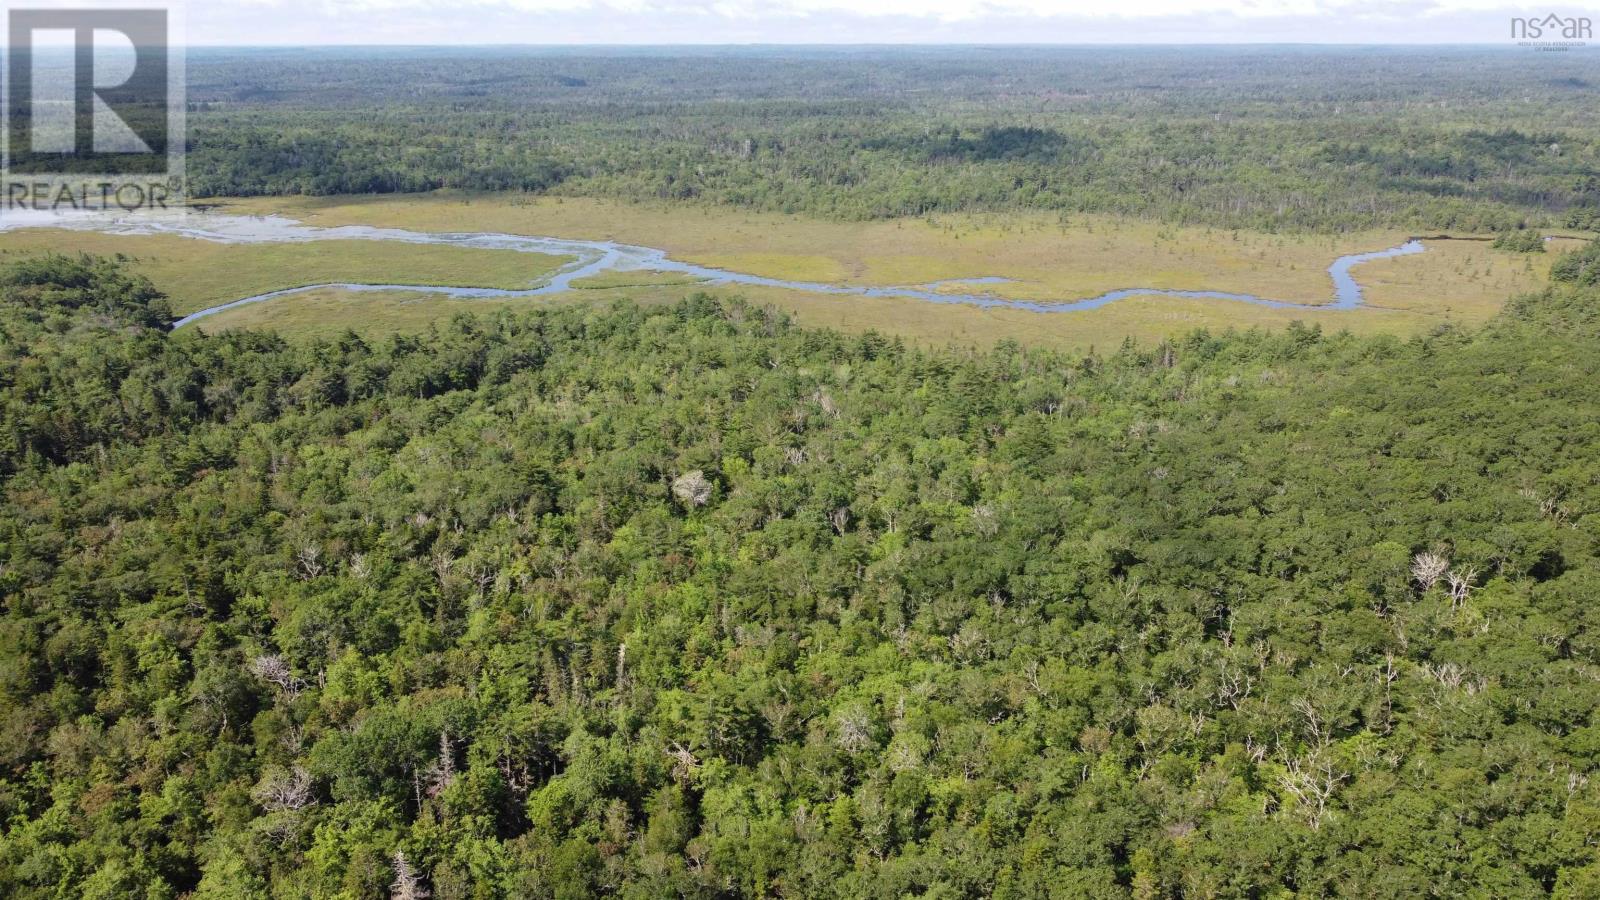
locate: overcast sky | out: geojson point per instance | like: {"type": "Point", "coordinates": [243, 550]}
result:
{"type": "Point", "coordinates": [297, 22]}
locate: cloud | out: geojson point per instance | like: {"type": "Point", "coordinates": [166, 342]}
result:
{"type": "Point", "coordinates": [942, 10]}
{"type": "Point", "coordinates": [843, 21]}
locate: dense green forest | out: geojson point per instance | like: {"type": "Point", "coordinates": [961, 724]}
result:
{"type": "Point", "coordinates": [687, 601]}
{"type": "Point", "coordinates": [1273, 138]}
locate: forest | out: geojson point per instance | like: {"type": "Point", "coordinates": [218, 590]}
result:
{"type": "Point", "coordinates": [676, 597]}
{"type": "Point", "coordinates": [1300, 139]}
{"type": "Point", "coordinates": [685, 600]}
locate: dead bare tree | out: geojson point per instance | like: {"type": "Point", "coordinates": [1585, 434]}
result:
{"type": "Point", "coordinates": [443, 771]}
{"type": "Point", "coordinates": [1312, 780]}
{"type": "Point", "coordinates": [1460, 586]}
{"type": "Point", "coordinates": [1316, 728]}
{"type": "Point", "coordinates": [1386, 679]}
{"type": "Point", "coordinates": [284, 789]}
{"type": "Point", "coordinates": [407, 880]}
{"type": "Point", "coordinates": [985, 521]}
{"type": "Point", "coordinates": [1233, 685]}
{"type": "Point", "coordinates": [692, 488]}
{"type": "Point", "coordinates": [310, 559]}
{"type": "Point", "coordinates": [1550, 507]}
{"type": "Point", "coordinates": [1449, 675]}
{"type": "Point", "coordinates": [482, 576]}
{"type": "Point", "coordinates": [1428, 568]}
{"type": "Point", "coordinates": [270, 667]}
{"type": "Point", "coordinates": [442, 562]}
{"type": "Point", "coordinates": [684, 763]}
{"type": "Point", "coordinates": [855, 730]}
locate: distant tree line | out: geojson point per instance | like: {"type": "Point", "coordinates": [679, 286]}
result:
{"type": "Point", "coordinates": [1272, 139]}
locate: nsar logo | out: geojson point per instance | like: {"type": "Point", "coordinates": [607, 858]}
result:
{"type": "Point", "coordinates": [1552, 32]}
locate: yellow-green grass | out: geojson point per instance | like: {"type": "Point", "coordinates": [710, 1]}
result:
{"type": "Point", "coordinates": [1467, 281]}
{"type": "Point", "coordinates": [1146, 319]}
{"type": "Point", "coordinates": [633, 279]}
{"type": "Point", "coordinates": [1046, 258]}
{"type": "Point", "coordinates": [788, 266]}
{"type": "Point", "coordinates": [198, 274]}
{"type": "Point", "coordinates": [327, 312]}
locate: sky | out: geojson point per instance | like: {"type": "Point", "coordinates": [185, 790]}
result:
{"type": "Point", "coordinates": [468, 22]}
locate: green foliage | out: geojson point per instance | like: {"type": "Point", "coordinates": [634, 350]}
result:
{"type": "Point", "coordinates": [51, 291]}
{"type": "Point", "coordinates": [1580, 267]}
{"type": "Point", "coordinates": [1519, 241]}
{"type": "Point", "coordinates": [1242, 615]}
{"type": "Point", "coordinates": [1271, 138]}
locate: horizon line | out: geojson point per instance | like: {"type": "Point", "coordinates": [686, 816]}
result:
{"type": "Point", "coordinates": [866, 45]}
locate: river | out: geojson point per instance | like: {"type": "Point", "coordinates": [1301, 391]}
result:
{"type": "Point", "coordinates": [595, 257]}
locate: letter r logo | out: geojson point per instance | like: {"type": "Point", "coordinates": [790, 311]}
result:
{"type": "Point", "coordinates": [87, 91]}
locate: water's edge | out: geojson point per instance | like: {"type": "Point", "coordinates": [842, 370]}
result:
{"type": "Point", "coordinates": [594, 257]}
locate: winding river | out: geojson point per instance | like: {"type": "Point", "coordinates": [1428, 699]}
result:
{"type": "Point", "coordinates": [591, 258]}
